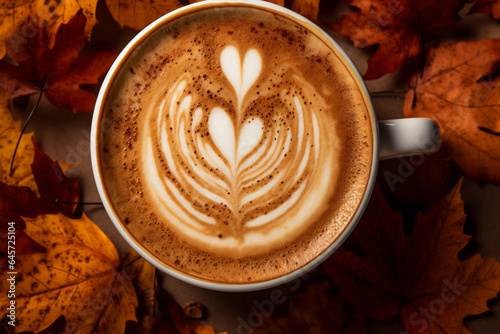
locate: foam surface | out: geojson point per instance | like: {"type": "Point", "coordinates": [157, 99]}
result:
{"type": "Point", "coordinates": [232, 158]}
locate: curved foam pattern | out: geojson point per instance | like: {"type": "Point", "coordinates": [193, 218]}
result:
{"type": "Point", "coordinates": [231, 155]}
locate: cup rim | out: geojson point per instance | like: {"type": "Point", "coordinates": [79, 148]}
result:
{"type": "Point", "coordinates": [143, 252]}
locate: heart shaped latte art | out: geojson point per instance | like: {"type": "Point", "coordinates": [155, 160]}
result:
{"type": "Point", "coordinates": [241, 76]}
{"type": "Point", "coordinates": [238, 164]}
{"type": "Point", "coordinates": [222, 130]}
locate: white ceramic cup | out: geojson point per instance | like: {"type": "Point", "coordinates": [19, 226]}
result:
{"type": "Point", "coordinates": [394, 138]}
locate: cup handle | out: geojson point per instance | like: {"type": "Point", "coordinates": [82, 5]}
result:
{"type": "Point", "coordinates": [408, 136]}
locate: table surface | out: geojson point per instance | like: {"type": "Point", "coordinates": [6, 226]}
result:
{"type": "Point", "coordinates": [65, 136]}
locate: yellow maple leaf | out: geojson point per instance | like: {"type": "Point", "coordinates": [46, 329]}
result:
{"type": "Point", "coordinates": [9, 133]}
{"type": "Point", "coordinates": [15, 14]}
{"type": "Point", "coordinates": [79, 277]}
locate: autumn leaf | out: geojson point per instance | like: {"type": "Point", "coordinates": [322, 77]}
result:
{"type": "Point", "coordinates": [15, 27]}
{"type": "Point", "coordinates": [396, 27]}
{"type": "Point", "coordinates": [138, 14]}
{"type": "Point", "coordinates": [9, 133]}
{"type": "Point", "coordinates": [78, 277]}
{"type": "Point", "coordinates": [420, 276]}
{"type": "Point", "coordinates": [491, 7]}
{"type": "Point", "coordinates": [57, 71]}
{"type": "Point", "coordinates": [459, 90]}
{"type": "Point", "coordinates": [316, 312]}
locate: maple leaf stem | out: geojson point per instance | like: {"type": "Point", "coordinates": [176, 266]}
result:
{"type": "Point", "coordinates": [489, 131]}
{"type": "Point", "coordinates": [22, 131]}
{"type": "Point", "coordinates": [128, 263]}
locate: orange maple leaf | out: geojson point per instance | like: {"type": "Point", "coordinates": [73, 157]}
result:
{"type": "Point", "coordinates": [78, 277]}
{"type": "Point", "coordinates": [458, 90]}
{"type": "Point", "coordinates": [15, 26]}
{"type": "Point", "coordinates": [418, 277]}
{"type": "Point", "coordinates": [58, 71]}
{"type": "Point", "coordinates": [397, 27]}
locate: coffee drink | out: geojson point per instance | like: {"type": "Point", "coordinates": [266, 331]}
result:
{"type": "Point", "coordinates": [235, 144]}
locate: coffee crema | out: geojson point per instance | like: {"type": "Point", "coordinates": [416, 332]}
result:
{"type": "Point", "coordinates": [235, 145]}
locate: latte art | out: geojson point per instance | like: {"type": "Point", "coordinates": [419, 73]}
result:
{"type": "Point", "coordinates": [235, 145]}
{"type": "Point", "coordinates": [232, 181]}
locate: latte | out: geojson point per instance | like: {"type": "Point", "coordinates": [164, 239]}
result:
{"type": "Point", "coordinates": [236, 146]}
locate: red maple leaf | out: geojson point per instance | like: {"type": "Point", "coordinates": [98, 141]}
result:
{"type": "Point", "coordinates": [14, 202]}
{"type": "Point", "coordinates": [419, 276]}
{"type": "Point", "coordinates": [397, 27]}
{"type": "Point", "coordinates": [58, 71]}
{"type": "Point", "coordinates": [53, 185]}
